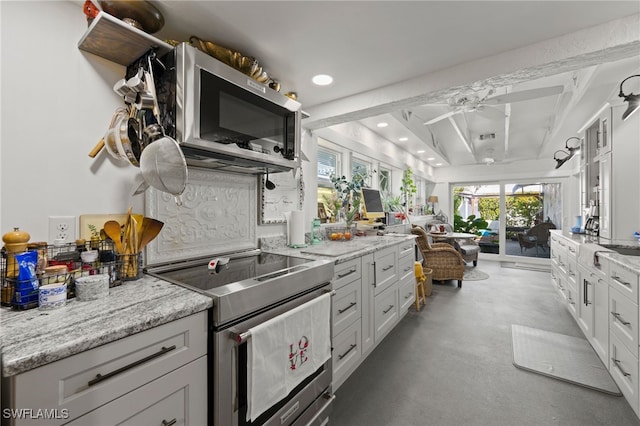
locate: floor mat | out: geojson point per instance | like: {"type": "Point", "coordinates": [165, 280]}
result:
{"type": "Point", "coordinates": [473, 274]}
{"type": "Point", "coordinates": [562, 357]}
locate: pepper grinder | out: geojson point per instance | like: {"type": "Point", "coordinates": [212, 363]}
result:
{"type": "Point", "coordinates": [14, 242]}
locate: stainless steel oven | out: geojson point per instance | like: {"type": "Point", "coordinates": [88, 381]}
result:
{"type": "Point", "coordinates": [249, 288]}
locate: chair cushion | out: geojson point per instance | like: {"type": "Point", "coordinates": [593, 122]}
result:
{"type": "Point", "coordinates": [469, 249]}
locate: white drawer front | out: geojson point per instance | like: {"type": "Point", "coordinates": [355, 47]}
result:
{"type": "Point", "coordinates": [623, 367]}
{"type": "Point", "coordinates": [623, 319]}
{"type": "Point", "coordinates": [180, 395]}
{"type": "Point", "coordinates": [406, 268]}
{"type": "Point", "coordinates": [346, 352]}
{"type": "Point", "coordinates": [386, 269]}
{"type": "Point", "coordinates": [347, 272]}
{"type": "Point", "coordinates": [407, 250]}
{"type": "Point", "coordinates": [346, 306]}
{"type": "Point", "coordinates": [407, 293]}
{"type": "Point", "coordinates": [386, 312]}
{"type": "Point", "coordinates": [624, 280]}
{"type": "Point", "coordinates": [126, 364]}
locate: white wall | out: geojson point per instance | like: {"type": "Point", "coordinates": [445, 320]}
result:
{"type": "Point", "coordinates": [57, 102]}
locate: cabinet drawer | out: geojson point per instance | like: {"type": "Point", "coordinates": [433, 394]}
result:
{"type": "Point", "coordinates": [385, 269]}
{"type": "Point", "coordinates": [385, 312]}
{"type": "Point", "coordinates": [406, 268]}
{"type": "Point", "coordinates": [73, 383]}
{"type": "Point", "coordinates": [407, 249]}
{"type": "Point", "coordinates": [623, 319]}
{"type": "Point", "coordinates": [624, 280]}
{"type": "Point", "coordinates": [180, 395]}
{"type": "Point", "coordinates": [572, 300]}
{"type": "Point", "coordinates": [346, 353]}
{"type": "Point", "coordinates": [407, 294]}
{"type": "Point", "coordinates": [346, 306]}
{"type": "Point", "coordinates": [346, 272]}
{"type": "Point", "coordinates": [623, 367]}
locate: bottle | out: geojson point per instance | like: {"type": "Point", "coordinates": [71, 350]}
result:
{"type": "Point", "coordinates": [15, 242]}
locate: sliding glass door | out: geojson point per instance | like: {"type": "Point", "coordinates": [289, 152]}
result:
{"type": "Point", "coordinates": [509, 219]}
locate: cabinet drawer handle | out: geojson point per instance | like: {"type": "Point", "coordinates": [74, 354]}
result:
{"type": "Point", "coordinates": [619, 318]}
{"type": "Point", "coordinates": [408, 296]}
{"type": "Point", "coordinates": [617, 279]}
{"type": "Point", "coordinates": [351, 271]}
{"type": "Point", "coordinates": [169, 423]}
{"type": "Point", "coordinates": [387, 268]}
{"type": "Point", "coordinates": [407, 269]}
{"type": "Point", "coordinates": [618, 362]}
{"type": "Point", "coordinates": [101, 377]}
{"type": "Point", "coordinates": [340, 311]}
{"type": "Point", "coordinates": [388, 309]}
{"type": "Point", "coordinates": [352, 347]}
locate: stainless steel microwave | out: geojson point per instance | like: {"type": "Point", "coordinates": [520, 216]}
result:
{"type": "Point", "coordinates": [224, 119]}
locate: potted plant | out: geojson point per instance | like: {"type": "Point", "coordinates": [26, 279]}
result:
{"type": "Point", "coordinates": [408, 188]}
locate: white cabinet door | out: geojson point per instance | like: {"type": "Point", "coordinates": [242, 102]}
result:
{"type": "Point", "coordinates": [601, 314]}
{"type": "Point", "coordinates": [368, 283]}
{"type": "Point", "coordinates": [586, 287]}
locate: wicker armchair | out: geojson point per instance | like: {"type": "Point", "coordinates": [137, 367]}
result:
{"type": "Point", "coordinates": [442, 258]}
{"type": "Point", "coordinates": [467, 247]}
{"type": "Point", "coordinates": [537, 236]}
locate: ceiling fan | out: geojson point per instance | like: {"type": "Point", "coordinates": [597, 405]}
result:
{"type": "Point", "coordinates": [485, 105]}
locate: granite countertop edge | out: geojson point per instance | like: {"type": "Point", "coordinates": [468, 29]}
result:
{"type": "Point", "coordinates": [30, 340]}
{"type": "Point", "coordinates": [360, 247]}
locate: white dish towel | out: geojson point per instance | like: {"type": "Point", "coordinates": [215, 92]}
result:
{"type": "Point", "coordinates": [285, 350]}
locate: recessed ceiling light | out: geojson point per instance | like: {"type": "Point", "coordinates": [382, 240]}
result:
{"type": "Point", "coordinates": [431, 158]}
{"type": "Point", "coordinates": [438, 164]}
{"type": "Point", "coordinates": [322, 79]}
{"type": "Point", "coordinates": [405, 139]}
{"type": "Point", "coordinates": [383, 124]}
{"type": "Point", "coordinates": [421, 151]}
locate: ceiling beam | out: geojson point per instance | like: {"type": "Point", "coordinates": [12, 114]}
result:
{"type": "Point", "coordinates": [611, 41]}
{"type": "Point", "coordinates": [415, 126]}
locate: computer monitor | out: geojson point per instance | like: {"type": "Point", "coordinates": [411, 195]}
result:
{"type": "Point", "coordinates": [372, 204]}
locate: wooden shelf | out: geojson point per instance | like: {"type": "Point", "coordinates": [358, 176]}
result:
{"type": "Point", "coordinates": [117, 41]}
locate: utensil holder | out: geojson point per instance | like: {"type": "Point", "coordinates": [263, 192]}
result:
{"type": "Point", "coordinates": [129, 266]}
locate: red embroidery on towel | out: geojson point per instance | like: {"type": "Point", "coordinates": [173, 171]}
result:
{"type": "Point", "coordinates": [298, 356]}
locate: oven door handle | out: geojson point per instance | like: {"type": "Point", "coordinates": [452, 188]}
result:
{"type": "Point", "coordinates": [241, 336]}
{"type": "Point", "coordinates": [329, 397]}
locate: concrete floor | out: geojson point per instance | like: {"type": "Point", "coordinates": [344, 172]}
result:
{"type": "Point", "coordinates": [451, 363]}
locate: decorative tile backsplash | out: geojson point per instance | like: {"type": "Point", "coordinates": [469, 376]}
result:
{"type": "Point", "coordinates": [218, 215]}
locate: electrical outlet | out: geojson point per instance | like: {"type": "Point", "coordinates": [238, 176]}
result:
{"type": "Point", "coordinates": [62, 228]}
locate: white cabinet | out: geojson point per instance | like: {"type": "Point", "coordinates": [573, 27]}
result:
{"type": "Point", "coordinates": [619, 174]}
{"type": "Point", "coordinates": [600, 303]}
{"type": "Point", "coordinates": [346, 312]}
{"type": "Point", "coordinates": [89, 380]}
{"type": "Point", "coordinates": [623, 330]}
{"type": "Point", "coordinates": [372, 293]}
{"type": "Point", "coordinates": [178, 398]}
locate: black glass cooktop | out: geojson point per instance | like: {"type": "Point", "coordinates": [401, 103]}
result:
{"type": "Point", "coordinates": [237, 269]}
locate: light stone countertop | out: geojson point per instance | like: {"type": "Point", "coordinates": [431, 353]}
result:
{"type": "Point", "coordinates": [341, 251]}
{"type": "Point", "coordinates": [631, 263]}
{"type": "Point", "coordinates": [32, 338]}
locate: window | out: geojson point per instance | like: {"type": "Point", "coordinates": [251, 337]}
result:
{"type": "Point", "coordinates": [328, 165]}
{"type": "Point", "coordinates": [384, 181]}
{"type": "Point", "coordinates": [527, 210]}
{"type": "Point", "coordinates": [361, 167]}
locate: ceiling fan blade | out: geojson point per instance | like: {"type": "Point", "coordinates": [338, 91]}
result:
{"type": "Point", "coordinates": [441, 117]}
{"type": "Point", "coordinates": [524, 95]}
{"type": "Point", "coordinates": [490, 112]}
